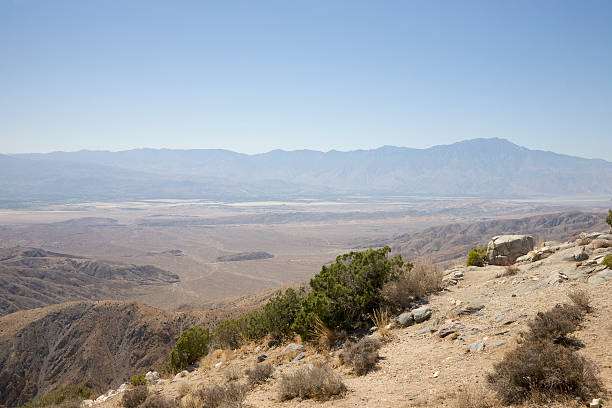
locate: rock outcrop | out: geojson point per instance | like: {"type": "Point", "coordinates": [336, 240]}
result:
{"type": "Point", "coordinates": [505, 249]}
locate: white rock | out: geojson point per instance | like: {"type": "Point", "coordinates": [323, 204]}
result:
{"type": "Point", "coordinates": [436, 374]}
{"type": "Point", "coordinates": [152, 376]}
{"type": "Point", "coordinates": [218, 364]}
{"type": "Point", "coordinates": [87, 403]}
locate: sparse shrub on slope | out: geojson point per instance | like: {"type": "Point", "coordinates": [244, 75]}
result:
{"type": "Point", "coordinates": [545, 365]}
{"type": "Point", "coordinates": [319, 383]}
{"type": "Point", "coordinates": [229, 333]}
{"type": "Point", "coordinates": [362, 356]}
{"type": "Point", "coordinates": [345, 290]}
{"type": "Point", "coordinates": [275, 319]}
{"type": "Point", "coordinates": [217, 396]}
{"type": "Point", "coordinates": [138, 379]}
{"type": "Point", "coordinates": [607, 261]}
{"type": "Point", "coordinates": [63, 395]}
{"type": "Point", "coordinates": [609, 218]}
{"type": "Point", "coordinates": [155, 400]}
{"type": "Point", "coordinates": [544, 369]}
{"type": "Point", "coordinates": [581, 299]}
{"type": "Point", "coordinates": [555, 324]}
{"type": "Point", "coordinates": [412, 283]}
{"type": "Point", "coordinates": [133, 398]}
{"type": "Point", "coordinates": [260, 373]}
{"type": "Point", "coordinates": [476, 257]}
{"type": "Point", "coordinates": [193, 344]}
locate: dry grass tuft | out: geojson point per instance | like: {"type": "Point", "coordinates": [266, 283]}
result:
{"type": "Point", "coordinates": [154, 400]}
{"type": "Point", "coordinates": [260, 373]}
{"type": "Point", "coordinates": [416, 283]}
{"type": "Point", "coordinates": [217, 396]}
{"type": "Point", "coordinates": [381, 320]}
{"type": "Point", "coordinates": [476, 397]}
{"type": "Point", "coordinates": [319, 383]}
{"type": "Point", "coordinates": [362, 356]}
{"type": "Point", "coordinates": [184, 390]}
{"type": "Point", "coordinates": [581, 299]}
{"type": "Point", "coordinates": [133, 398]}
{"type": "Point", "coordinates": [232, 373]}
{"type": "Point", "coordinates": [321, 335]}
{"type": "Point", "coordinates": [510, 270]}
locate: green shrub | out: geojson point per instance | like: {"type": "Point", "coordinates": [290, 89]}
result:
{"type": "Point", "coordinates": [345, 290]}
{"type": "Point", "coordinates": [138, 379]}
{"type": "Point", "coordinates": [607, 261]}
{"type": "Point", "coordinates": [193, 344]}
{"type": "Point", "coordinates": [228, 334]}
{"type": "Point", "coordinates": [609, 218]}
{"type": "Point", "coordinates": [64, 394]}
{"type": "Point", "coordinates": [476, 257]}
{"type": "Point", "coordinates": [274, 318]}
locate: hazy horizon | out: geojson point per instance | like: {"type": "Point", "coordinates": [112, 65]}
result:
{"type": "Point", "coordinates": [253, 77]}
{"type": "Point", "coordinates": [290, 150]}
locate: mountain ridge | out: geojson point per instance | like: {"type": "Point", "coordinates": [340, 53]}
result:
{"type": "Point", "coordinates": [480, 167]}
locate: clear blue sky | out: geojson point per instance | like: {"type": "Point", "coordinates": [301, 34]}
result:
{"type": "Point", "coordinates": [252, 76]}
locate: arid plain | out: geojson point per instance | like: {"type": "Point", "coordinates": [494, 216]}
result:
{"type": "Point", "coordinates": [186, 237]}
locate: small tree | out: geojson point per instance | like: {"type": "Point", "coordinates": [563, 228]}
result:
{"type": "Point", "coordinates": [193, 344]}
{"type": "Point", "coordinates": [609, 218]}
{"type": "Point", "coordinates": [345, 290]}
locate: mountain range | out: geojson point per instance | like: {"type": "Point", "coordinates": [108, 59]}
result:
{"type": "Point", "coordinates": [478, 167]}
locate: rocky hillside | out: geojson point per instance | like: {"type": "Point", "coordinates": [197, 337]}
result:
{"type": "Point", "coordinates": [101, 344]}
{"type": "Point", "coordinates": [468, 328]}
{"type": "Point", "coordinates": [33, 277]}
{"type": "Point", "coordinates": [452, 242]}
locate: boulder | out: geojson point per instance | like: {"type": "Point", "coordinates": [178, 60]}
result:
{"type": "Point", "coordinates": [476, 347]}
{"type": "Point", "coordinates": [152, 376]}
{"type": "Point", "coordinates": [421, 314]}
{"type": "Point", "coordinates": [577, 256]}
{"type": "Point", "coordinates": [471, 308]}
{"type": "Point", "coordinates": [405, 319]}
{"type": "Point", "coordinates": [291, 347]}
{"type": "Point", "coordinates": [505, 249]}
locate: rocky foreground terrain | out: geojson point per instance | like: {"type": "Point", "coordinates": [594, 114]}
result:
{"type": "Point", "coordinates": [468, 327]}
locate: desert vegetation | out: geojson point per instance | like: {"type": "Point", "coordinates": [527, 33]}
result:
{"type": "Point", "coordinates": [64, 396]}
{"type": "Point", "coordinates": [191, 345]}
{"type": "Point", "coordinates": [476, 257]}
{"type": "Point", "coordinates": [318, 383]}
{"type": "Point", "coordinates": [545, 366]}
{"type": "Point", "coordinates": [362, 355]}
{"type": "Point", "coordinates": [607, 261]}
{"type": "Point", "coordinates": [412, 282]}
